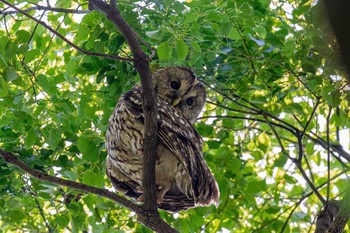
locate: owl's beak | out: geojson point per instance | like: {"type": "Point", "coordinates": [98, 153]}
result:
{"type": "Point", "coordinates": [176, 101]}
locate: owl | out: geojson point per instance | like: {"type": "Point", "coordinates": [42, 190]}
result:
{"type": "Point", "coordinates": [183, 178]}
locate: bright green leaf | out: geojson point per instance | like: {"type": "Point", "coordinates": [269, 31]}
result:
{"type": "Point", "coordinates": [261, 31]}
{"type": "Point", "coordinates": [22, 36]}
{"type": "Point", "coordinates": [182, 50]}
{"type": "Point", "coordinates": [195, 46]}
{"type": "Point", "coordinates": [190, 17]}
{"type": "Point", "coordinates": [163, 51]}
{"type": "Point", "coordinates": [264, 141]}
{"type": "Point", "coordinates": [31, 55]}
{"type": "Point", "coordinates": [62, 220]}
{"type": "Point", "coordinates": [16, 216]}
{"type": "Point", "coordinates": [214, 16]}
{"type": "Point", "coordinates": [3, 88]}
{"type": "Point", "coordinates": [233, 34]}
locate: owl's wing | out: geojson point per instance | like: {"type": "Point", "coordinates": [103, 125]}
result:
{"type": "Point", "coordinates": [180, 137]}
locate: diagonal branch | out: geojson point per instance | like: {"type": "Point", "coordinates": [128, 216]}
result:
{"type": "Point", "coordinates": [114, 57]}
{"type": "Point", "coordinates": [13, 159]}
{"type": "Point", "coordinates": [157, 225]}
{"type": "Point", "coordinates": [43, 215]}
{"type": "Point", "coordinates": [45, 8]}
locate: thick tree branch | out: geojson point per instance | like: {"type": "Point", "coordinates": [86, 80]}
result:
{"type": "Point", "coordinates": [115, 57]}
{"type": "Point", "coordinates": [13, 159]}
{"type": "Point", "coordinates": [149, 100]}
{"type": "Point", "coordinates": [333, 217]}
{"type": "Point", "coordinates": [141, 63]}
{"type": "Point", "coordinates": [156, 224]}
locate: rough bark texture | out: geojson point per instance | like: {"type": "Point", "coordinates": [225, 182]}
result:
{"type": "Point", "coordinates": [339, 18]}
{"type": "Point", "coordinates": [333, 217]}
{"type": "Point", "coordinates": [141, 63]}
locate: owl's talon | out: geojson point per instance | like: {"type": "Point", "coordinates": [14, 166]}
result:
{"type": "Point", "coordinates": [161, 191]}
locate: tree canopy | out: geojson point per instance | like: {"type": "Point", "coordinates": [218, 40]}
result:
{"type": "Point", "coordinates": [275, 125]}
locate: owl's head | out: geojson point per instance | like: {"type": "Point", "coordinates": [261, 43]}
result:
{"type": "Point", "coordinates": [172, 83]}
{"type": "Point", "coordinates": [180, 87]}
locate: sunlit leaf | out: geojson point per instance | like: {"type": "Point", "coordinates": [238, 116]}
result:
{"type": "Point", "coordinates": [182, 50]}
{"type": "Point", "coordinates": [163, 50]}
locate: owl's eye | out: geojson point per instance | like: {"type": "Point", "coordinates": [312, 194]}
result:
{"type": "Point", "coordinates": [175, 85]}
{"type": "Point", "coordinates": [189, 101]}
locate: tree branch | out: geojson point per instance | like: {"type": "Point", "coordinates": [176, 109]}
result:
{"type": "Point", "coordinates": [45, 8]}
{"type": "Point", "coordinates": [157, 225]}
{"type": "Point", "coordinates": [13, 159]}
{"type": "Point", "coordinates": [43, 215]}
{"type": "Point", "coordinates": [114, 57]}
{"type": "Point", "coordinates": [149, 100]}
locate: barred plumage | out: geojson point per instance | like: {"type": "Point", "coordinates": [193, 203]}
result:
{"type": "Point", "coordinates": [182, 176]}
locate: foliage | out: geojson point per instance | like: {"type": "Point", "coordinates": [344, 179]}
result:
{"type": "Point", "coordinates": [277, 104]}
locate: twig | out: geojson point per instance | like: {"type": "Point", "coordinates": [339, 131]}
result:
{"type": "Point", "coordinates": [311, 117]}
{"type": "Point", "coordinates": [278, 138]}
{"type": "Point", "coordinates": [46, 8]}
{"type": "Point", "coordinates": [43, 215]}
{"type": "Point", "coordinates": [249, 119]}
{"type": "Point", "coordinates": [328, 156]}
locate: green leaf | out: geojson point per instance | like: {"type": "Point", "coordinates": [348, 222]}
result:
{"type": "Point", "coordinates": [99, 47]}
{"type": "Point", "coordinates": [163, 51]}
{"type": "Point", "coordinates": [4, 172]}
{"type": "Point", "coordinates": [42, 81]}
{"type": "Point", "coordinates": [260, 31]}
{"type": "Point", "coordinates": [83, 144]}
{"type": "Point", "coordinates": [91, 178]}
{"type": "Point", "coordinates": [255, 187]}
{"type": "Point", "coordinates": [205, 130]}
{"type": "Point", "coordinates": [190, 17]}
{"type": "Point", "coordinates": [195, 46]}
{"type": "Point", "coordinates": [30, 138]}
{"type": "Point", "coordinates": [82, 33]}
{"type": "Point", "coordinates": [214, 16]}
{"type": "Point", "coordinates": [62, 220]}
{"type": "Point", "coordinates": [31, 55]}
{"type": "Point", "coordinates": [22, 36]}
{"type": "Point", "coordinates": [153, 34]}
{"type": "Point", "coordinates": [10, 74]}
{"type": "Point", "coordinates": [16, 216]}
{"type": "Point", "coordinates": [3, 63]}
{"type": "Point", "coordinates": [23, 49]}
{"type": "Point", "coordinates": [182, 50]}
{"type": "Point", "coordinates": [233, 34]}
{"type": "Point", "coordinates": [264, 141]}
{"type": "Point", "coordinates": [52, 136]}
{"type": "Point", "coordinates": [71, 67]}
{"type": "Point", "coordinates": [281, 161]}
{"type": "Point", "coordinates": [3, 88]}
{"type": "Point", "coordinates": [89, 149]}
